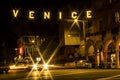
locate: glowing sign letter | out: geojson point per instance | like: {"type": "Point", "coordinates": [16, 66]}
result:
{"type": "Point", "coordinates": [88, 14]}
{"type": "Point", "coordinates": [21, 50]}
{"type": "Point", "coordinates": [46, 15]}
{"type": "Point", "coordinates": [60, 15]}
{"type": "Point", "coordinates": [15, 12]}
{"type": "Point", "coordinates": [74, 15]}
{"type": "Point", "coordinates": [31, 14]}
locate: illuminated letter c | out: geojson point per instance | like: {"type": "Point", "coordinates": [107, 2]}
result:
{"type": "Point", "coordinates": [74, 15]}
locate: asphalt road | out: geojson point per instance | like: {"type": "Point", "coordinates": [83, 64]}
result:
{"type": "Point", "coordinates": [63, 74]}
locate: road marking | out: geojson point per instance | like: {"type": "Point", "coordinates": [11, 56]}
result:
{"type": "Point", "coordinates": [108, 78]}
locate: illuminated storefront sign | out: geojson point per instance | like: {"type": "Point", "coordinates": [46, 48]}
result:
{"type": "Point", "coordinates": [47, 14]}
{"type": "Point", "coordinates": [21, 50]}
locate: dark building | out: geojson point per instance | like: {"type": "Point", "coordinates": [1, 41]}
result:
{"type": "Point", "coordinates": [102, 35]}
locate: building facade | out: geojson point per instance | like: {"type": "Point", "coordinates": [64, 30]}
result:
{"type": "Point", "coordinates": [28, 46]}
{"type": "Point", "coordinates": [102, 35]}
{"type": "Point", "coordinates": [37, 48]}
{"type": "Point", "coordinates": [96, 39]}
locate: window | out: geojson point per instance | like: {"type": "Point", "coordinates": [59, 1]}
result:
{"type": "Point", "coordinates": [101, 26]}
{"type": "Point", "coordinates": [117, 17]}
{"type": "Point", "coordinates": [113, 18]}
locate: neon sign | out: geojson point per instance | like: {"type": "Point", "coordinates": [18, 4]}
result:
{"type": "Point", "coordinates": [47, 14]}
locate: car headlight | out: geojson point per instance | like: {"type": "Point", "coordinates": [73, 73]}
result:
{"type": "Point", "coordinates": [35, 66]}
{"type": "Point", "coordinates": [45, 66]}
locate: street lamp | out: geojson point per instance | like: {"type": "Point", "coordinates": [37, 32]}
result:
{"type": "Point", "coordinates": [33, 41]}
{"type": "Point", "coordinates": [88, 15]}
{"type": "Point", "coordinates": [76, 21]}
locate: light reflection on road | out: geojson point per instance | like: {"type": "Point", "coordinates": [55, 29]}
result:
{"type": "Point", "coordinates": [35, 75]}
{"type": "Point", "coordinates": [63, 74]}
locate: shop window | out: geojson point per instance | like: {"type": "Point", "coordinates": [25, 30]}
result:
{"type": "Point", "coordinates": [101, 26]}
{"type": "Point", "coordinates": [117, 17]}
{"type": "Point", "coordinates": [113, 20]}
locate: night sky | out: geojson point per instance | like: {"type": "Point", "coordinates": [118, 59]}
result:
{"type": "Point", "coordinates": [11, 28]}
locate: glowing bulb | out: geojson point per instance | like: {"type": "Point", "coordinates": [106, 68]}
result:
{"type": "Point", "coordinates": [76, 20]}
{"type": "Point", "coordinates": [45, 66]}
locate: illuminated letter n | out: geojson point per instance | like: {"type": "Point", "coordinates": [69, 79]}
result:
{"type": "Point", "coordinates": [46, 15]}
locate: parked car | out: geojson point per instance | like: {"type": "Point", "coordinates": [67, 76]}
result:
{"type": "Point", "coordinates": [84, 64]}
{"type": "Point", "coordinates": [4, 67]}
{"type": "Point", "coordinates": [79, 64]}
{"type": "Point", "coordinates": [70, 64]}
{"type": "Point", "coordinates": [18, 66]}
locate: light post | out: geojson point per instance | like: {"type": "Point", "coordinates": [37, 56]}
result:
{"type": "Point", "coordinates": [82, 42]}
{"type": "Point", "coordinates": [76, 21]}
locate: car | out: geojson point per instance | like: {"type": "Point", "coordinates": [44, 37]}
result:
{"type": "Point", "coordinates": [38, 67]}
{"type": "Point", "coordinates": [34, 67]}
{"type": "Point", "coordinates": [79, 64]}
{"type": "Point", "coordinates": [84, 64]}
{"type": "Point", "coordinates": [70, 64]}
{"type": "Point", "coordinates": [18, 66]}
{"type": "Point", "coordinates": [4, 67]}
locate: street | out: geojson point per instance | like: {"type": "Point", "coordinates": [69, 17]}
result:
{"type": "Point", "coordinates": [63, 74]}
